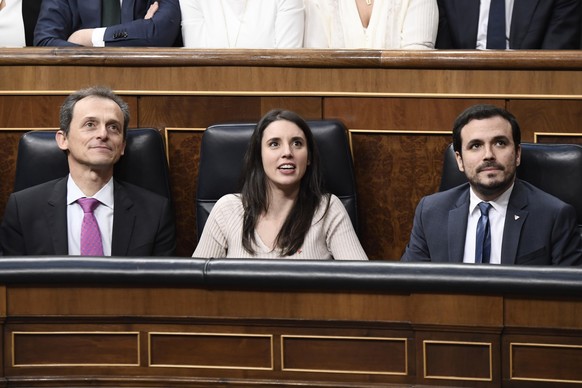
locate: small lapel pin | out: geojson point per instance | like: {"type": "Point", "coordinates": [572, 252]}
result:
{"type": "Point", "coordinates": [516, 217]}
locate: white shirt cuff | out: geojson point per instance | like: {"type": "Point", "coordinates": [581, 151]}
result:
{"type": "Point", "coordinates": [97, 37]}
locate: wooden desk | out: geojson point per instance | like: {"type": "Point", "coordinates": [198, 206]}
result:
{"type": "Point", "coordinates": [195, 323]}
{"type": "Point", "coordinates": [398, 106]}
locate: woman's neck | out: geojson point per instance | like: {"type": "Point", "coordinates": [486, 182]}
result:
{"type": "Point", "coordinates": [271, 221]}
{"type": "Point", "coordinates": [365, 11]}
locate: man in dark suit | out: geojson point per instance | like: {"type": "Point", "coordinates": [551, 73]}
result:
{"type": "Point", "coordinates": [519, 223]}
{"type": "Point", "coordinates": [533, 24]}
{"type": "Point", "coordinates": [48, 219]}
{"type": "Point", "coordinates": [85, 23]}
{"type": "Point", "coordinates": [30, 11]}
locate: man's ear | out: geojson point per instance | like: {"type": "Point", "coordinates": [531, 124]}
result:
{"type": "Point", "coordinates": [459, 161]}
{"type": "Point", "coordinates": [518, 155]}
{"type": "Point", "coordinates": [62, 141]}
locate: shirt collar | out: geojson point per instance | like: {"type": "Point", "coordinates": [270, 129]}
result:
{"type": "Point", "coordinates": [105, 195]}
{"type": "Point", "coordinates": [500, 203]}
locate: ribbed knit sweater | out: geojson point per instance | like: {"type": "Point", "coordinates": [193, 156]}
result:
{"type": "Point", "coordinates": [330, 237]}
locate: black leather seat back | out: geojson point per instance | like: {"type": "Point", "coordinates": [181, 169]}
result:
{"type": "Point", "coordinates": [221, 162]}
{"type": "Point", "coordinates": [144, 163]}
{"type": "Point", "coordinates": [554, 168]}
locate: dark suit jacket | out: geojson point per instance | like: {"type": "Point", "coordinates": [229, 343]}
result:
{"type": "Point", "coordinates": [30, 10]}
{"type": "Point", "coordinates": [535, 24]}
{"type": "Point", "coordinates": [539, 228]}
{"type": "Point", "coordinates": [35, 222]}
{"type": "Point", "coordinates": [58, 19]}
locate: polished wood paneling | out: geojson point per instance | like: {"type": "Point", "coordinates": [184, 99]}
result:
{"type": "Point", "coordinates": [457, 357]}
{"type": "Point", "coordinates": [30, 111]}
{"type": "Point", "coordinates": [400, 114]}
{"type": "Point", "coordinates": [187, 302]}
{"type": "Point", "coordinates": [519, 73]}
{"type": "Point", "coordinates": [8, 154]}
{"type": "Point", "coordinates": [456, 360]}
{"type": "Point", "coordinates": [388, 59]}
{"type": "Point", "coordinates": [551, 362]}
{"type": "Point", "coordinates": [211, 350]}
{"type": "Point", "coordinates": [183, 147]}
{"type": "Point", "coordinates": [558, 138]}
{"type": "Point", "coordinates": [74, 349]}
{"type": "Point", "coordinates": [117, 335]}
{"type": "Point", "coordinates": [554, 116]}
{"type": "Point", "coordinates": [393, 171]}
{"type": "Point", "coordinates": [438, 309]}
{"type": "Point", "coordinates": [546, 313]}
{"type": "Point", "coordinates": [398, 106]}
{"type": "Point", "coordinates": [345, 355]}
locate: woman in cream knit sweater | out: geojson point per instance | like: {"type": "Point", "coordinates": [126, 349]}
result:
{"type": "Point", "coordinates": [282, 210]}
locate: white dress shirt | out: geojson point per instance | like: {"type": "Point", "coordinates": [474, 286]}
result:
{"type": "Point", "coordinates": [11, 24]}
{"type": "Point", "coordinates": [242, 24]}
{"type": "Point", "coordinates": [484, 22]}
{"type": "Point", "coordinates": [103, 213]}
{"type": "Point", "coordinates": [496, 223]}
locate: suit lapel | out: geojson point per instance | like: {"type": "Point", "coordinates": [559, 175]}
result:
{"type": "Point", "coordinates": [467, 17]}
{"type": "Point", "coordinates": [90, 13]}
{"type": "Point", "coordinates": [56, 216]}
{"type": "Point", "coordinates": [514, 220]}
{"type": "Point", "coordinates": [522, 14]}
{"type": "Point", "coordinates": [457, 228]}
{"type": "Point", "coordinates": [123, 221]}
{"type": "Point", "coordinates": [127, 7]}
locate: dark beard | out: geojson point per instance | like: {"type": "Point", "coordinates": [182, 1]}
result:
{"type": "Point", "coordinates": [494, 190]}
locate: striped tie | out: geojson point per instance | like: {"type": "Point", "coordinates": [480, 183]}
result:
{"type": "Point", "coordinates": [483, 241]}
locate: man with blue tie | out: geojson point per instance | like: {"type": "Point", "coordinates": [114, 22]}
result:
{"type": "Point", "coordinates": [494, 217]}
{"type": "Point", "coordinates": [98, 23]}
{"type": "Point", "coordinates": [509, 24]}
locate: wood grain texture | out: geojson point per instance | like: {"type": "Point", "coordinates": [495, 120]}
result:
{"type": "Point", "coordinates": [323, 72]}
{"type": "Point", "coordinates": [75, 335]}
{"type": "Point", "coordinates": [172, 57]}
{"type": "Point", "coordinates": [397, 105]}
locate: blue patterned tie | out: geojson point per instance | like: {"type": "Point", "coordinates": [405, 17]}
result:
{"type": "Point", "coordinates": [496, 25]}
{"type": "Point", "coordinates": [483, 241]}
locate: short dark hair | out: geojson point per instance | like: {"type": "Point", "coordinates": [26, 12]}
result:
{"type": "Point", "coordinates": [66, 113]}
{"type": "Point", "coordinates": [479, 112]}
{"type": "Point", "coordinates": [255, 188]}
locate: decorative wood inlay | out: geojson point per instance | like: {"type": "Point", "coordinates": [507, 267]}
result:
{"type": "Point", "coordinates": [211, 350]}
{"type": "Point", "coordinates": [557, 138]}
{"type": "Point", "coordinates": [336, 354]}
{"type": "Point", "coordinates": [61, 349]}
{"type": "Point", "coordinates": [458, 360]}
{"type": "Point", "coordinates": [556, 363]}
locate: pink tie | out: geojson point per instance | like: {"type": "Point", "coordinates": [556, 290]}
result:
{"type": "Point", "coordinates": [91, 244]}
